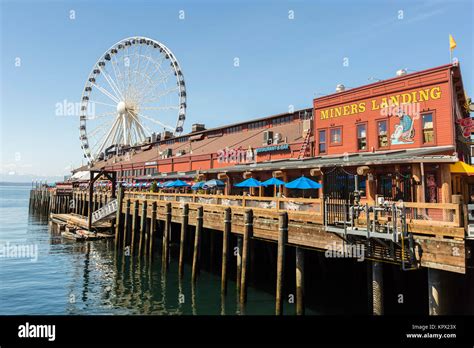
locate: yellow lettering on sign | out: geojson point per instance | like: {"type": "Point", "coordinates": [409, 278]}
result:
{"type": "Point", "coordinates": [435, 93]}
{"type": "Point", "coordinates": [394, 100]}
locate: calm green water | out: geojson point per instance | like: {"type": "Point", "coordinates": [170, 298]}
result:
{"type": "Point", "coordinates": [66, 277]}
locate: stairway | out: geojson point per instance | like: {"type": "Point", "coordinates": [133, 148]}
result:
{"type": "Point", "coordinates": [304, 146]}
{"type": "Point", "coordinates": [106, 212]}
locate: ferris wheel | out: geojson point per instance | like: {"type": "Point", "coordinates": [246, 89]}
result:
{"type": "Point", "coordinates": [135, 90]}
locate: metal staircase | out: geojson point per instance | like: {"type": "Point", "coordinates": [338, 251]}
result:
{"type": "Point", "coordinates": [382, 229]}
{"type": "Point", "coordinates": [106, 212]}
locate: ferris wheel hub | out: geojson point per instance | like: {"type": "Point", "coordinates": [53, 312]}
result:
{"type": "Point", "coordinates": [121, 108]}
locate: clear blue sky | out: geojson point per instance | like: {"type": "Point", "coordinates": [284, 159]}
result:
{"type": "Point", "coordinates": [282, 62]}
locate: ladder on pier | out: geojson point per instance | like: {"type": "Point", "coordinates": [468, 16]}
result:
{"type": "Point", "coordinates": [305, 144]}
{"type": "Point", "coordinates": [106, 212]}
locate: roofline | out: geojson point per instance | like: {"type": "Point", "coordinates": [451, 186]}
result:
{"type": "Point", "coordinates": [380, 83]}
{"type": "Point", "coordinates": [237, 124]}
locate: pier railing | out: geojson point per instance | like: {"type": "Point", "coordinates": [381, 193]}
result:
{"type": "Point", "coordinates": [309, 205]}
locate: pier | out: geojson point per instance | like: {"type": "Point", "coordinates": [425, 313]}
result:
{"type": "Point", "coordinates": [142, 223]}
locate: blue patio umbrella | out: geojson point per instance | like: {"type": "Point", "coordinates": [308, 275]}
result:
{"type": "Point", "coordinates": [250, 182]}
{"type": "Point", "coordinates": [303, 183]}
{"type": "Point", "coordinates": [198, 185]}
{"type": "Point", "coordinates": [273, 181]}
{"type": "Point", "coordinates": [168, 184]}
{"type": "Point", "coordinates": [213, 183]}
{"type": "Point", "coordinates": [179, 183]}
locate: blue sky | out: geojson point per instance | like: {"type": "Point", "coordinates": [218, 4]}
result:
{"type": "Point", "coordinates": [282, 61]}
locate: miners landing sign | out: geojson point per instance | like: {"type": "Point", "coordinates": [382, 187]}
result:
{"type": "Point", "coordinates": [382, 103]}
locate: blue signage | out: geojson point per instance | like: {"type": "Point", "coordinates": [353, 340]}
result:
{"type": "Point", "coordinates": [273, 148]}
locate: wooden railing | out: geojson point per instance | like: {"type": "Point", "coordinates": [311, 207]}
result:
{"type": "Point", "coordinates": [308, 205]}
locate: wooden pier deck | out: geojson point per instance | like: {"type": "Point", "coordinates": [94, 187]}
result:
{"type": "Point", "coordinates": [80, 221]}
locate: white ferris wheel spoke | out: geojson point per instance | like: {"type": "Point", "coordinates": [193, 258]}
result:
{"type": "Point", "coordinates": [155, 121]}
{"type": "Point", "coordinates": [111, 131]}
{"type": "Point", "coordinates": [154, 98]}
{"type": "Point", "coordinates": [111, 83]}
{"type": "Point", "coordinates": [101, 103]}
{"type": "Point", "coordinates": [107, 93]}
{"type": "Point", "coordinates": [171, 107]}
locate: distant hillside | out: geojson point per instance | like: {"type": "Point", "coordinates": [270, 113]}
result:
{"type": "Point", "coordinates": [3, 183]}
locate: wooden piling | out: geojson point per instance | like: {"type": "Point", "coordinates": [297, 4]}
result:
{"type": "Point", "coordinates": [299, 281]}
{"type": "Point", "coordinates": [197, 242]}
{"type": "Point", "coordinates": [225, 247]}
{"type": "Point", "coordinates": [184, 228]}
{"type": "Point", "coordinates": [166, 233]}
{"type": "Point", "coordinates": [126, 222]}
{"type": "Point", "coordinates": [134, 229]}
{"type": "Point", "coordinates": [238, 273]}
{"type": "Point", "coordinates": [118, 219]}
{"type": "Point", "coordinates": [282, 240]}
{"type": "Point", "coordinates": [84, 205]}
{"type": "Point", "coordinates": [142, 227]}
{"type": "Point", "coordinates": [152, 229]}
{"type": "Point", "coordinates": [248, 228]}
{"type": "Point", "coordinates": [377, 288]}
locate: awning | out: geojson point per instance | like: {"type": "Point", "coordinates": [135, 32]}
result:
{"type": "Point", "coordinates": [462, 168]}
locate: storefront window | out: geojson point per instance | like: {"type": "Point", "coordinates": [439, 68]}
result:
{"type": "Point", "coordinates": [335, 136]}
{"type": "Point", "coordinates": [382, 133]}
{"type": "Point", "coordinates": [322, 141]}
{"type": "Point", "coordinates": [428, 130]}
{"type": "Point", "coordinates": [361, 137]}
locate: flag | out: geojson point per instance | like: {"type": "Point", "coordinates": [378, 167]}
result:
{"type": "Point", "coordinates": [452, 43]}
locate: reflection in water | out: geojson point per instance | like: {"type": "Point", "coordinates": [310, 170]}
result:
{"type": "Point", "coordinates": [93, 278]}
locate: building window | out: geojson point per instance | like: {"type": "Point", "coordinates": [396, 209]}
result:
{"type": "Point", "coordinates": [322, 141]}
{"type": "Point", "coordinates": [256, 125]}
{"type": "Point", "coordinates": [280, 120]}
{"type": "Point", "coordinates": [428, 130]}
{"type": "Point", "coordinates": [382, 134]}
{"type": "Point", "coordinates": [362, 137]}
{"type": "Point", "coordinates": [234, 129]}
{"type": "Point", "coordinates": [335, 136]}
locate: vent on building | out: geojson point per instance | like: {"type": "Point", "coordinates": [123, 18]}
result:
{"type": "Point", "coordinates": [166, 135]}
{"type": "Point", "coordinates": [340, 88]}
{"type": "Point", "coordinates": [197, 127]}
{"type": "Point", "coordinates": [267, 137]}
{"type": "Point", "coordinates": [401, 72]}
{"type": "Point", "coordinates": [277, 138]}
{"type": "Point", "coordinates": [167, 153]}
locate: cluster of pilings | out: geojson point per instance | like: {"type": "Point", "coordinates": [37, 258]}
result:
{"type": "Point", "coordinates": [80, 202]}
{"type": "Point", "coordinates": [135, 234]}
{"type": "Point", "coordinates": [44, 201]}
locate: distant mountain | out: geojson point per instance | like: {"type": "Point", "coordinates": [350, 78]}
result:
{"type": "Point", "coordinates": [28, 178]}
{"type": "Point", "coordinates": [2, 183]}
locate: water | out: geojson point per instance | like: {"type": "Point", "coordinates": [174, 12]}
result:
{"type": "Point", "coordinates": [73, 278]}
